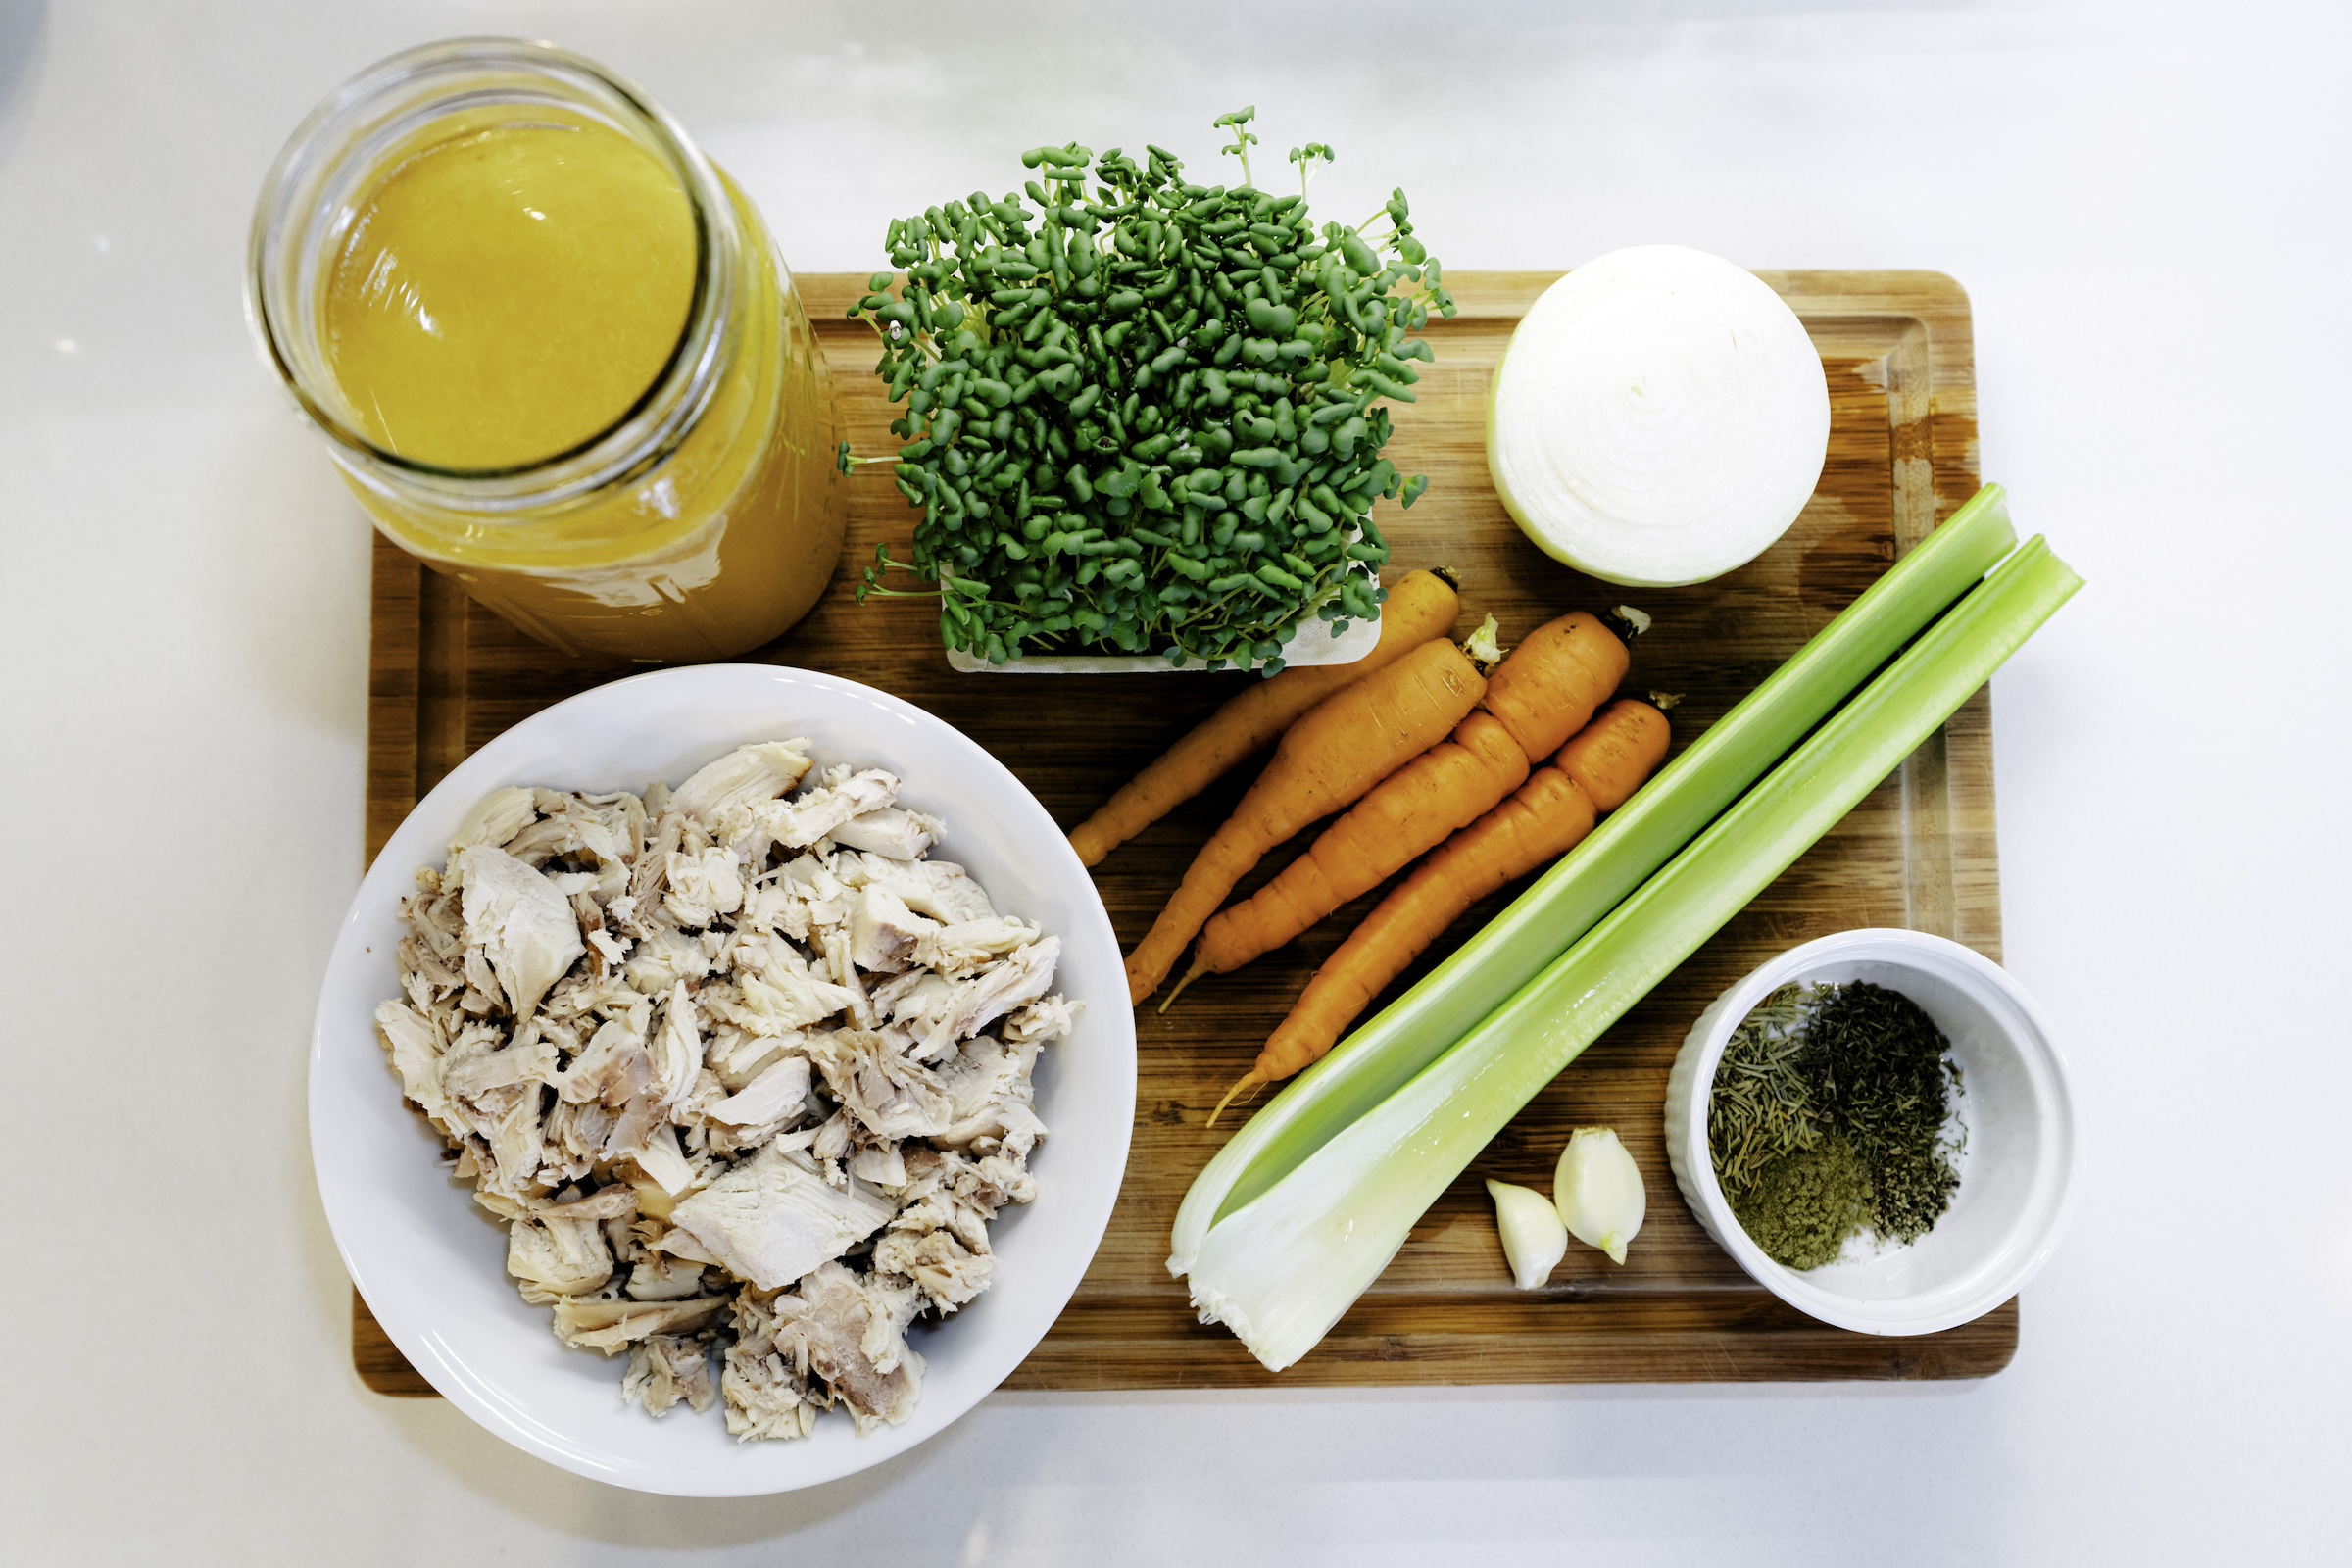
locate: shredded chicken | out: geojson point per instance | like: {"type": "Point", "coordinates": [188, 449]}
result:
{"type": "Point", "coordinates": [666, 1368]}
{"type": "Point", "coordinates": [744, 1073]}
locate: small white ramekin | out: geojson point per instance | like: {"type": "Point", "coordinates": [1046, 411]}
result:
{"type": "Point", "coordinates": [2018, 1175]}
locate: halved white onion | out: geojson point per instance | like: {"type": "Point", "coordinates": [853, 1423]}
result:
{"type": "Point", "coordinates": [1660, 417]}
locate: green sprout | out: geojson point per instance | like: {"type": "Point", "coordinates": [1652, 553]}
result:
{"type": "Point", "coordinates": [1145, 416]}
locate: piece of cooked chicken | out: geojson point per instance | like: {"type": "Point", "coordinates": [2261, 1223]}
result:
{"type": "Point", "coordinates": [957, 951]}
{"type": "Point", "coordinates": [703, 886]}
{"type": "Point", "coordinates": [767, 1394]}
{"type": "Point", "coordinates": [851, 1333]}
{"type": "Point", "coordinates": [558, 1256]}
{"type": "Point", "coordinates": [665, 957]}
{"type": "Point", "coordinates": [659, 1277]}
{"type": "Point", "coordinates": [659, 1157]}
{"type": "Point", "coordinates": [804, 821]}
{"type": "Point", "coordinates": [891, 831]}
{"type": "Point", "coordinates": [587, 1323]}
{"type": "Point", "coordinates": [497, 818]}
{"type": "Point", "coordinates": [785, 1001]}
{"type": "Point", "coordinates": [940, 889]}
{"type": "Point", "coordinates": [413, 1042]}
{"type": "Point", "coordinates": [519, 922]}
{"type": "Point", "coordinates": [665, 1368]}
{"type": "Point", "coordinates": [773, 1218]}
{"type": "Point", "coordinates": [885, 935]}
{"type": "Point", "coordinates": [745, 777]}
{"type": "Point", "coordinates": [948, 1273]}
{"type": "Point", "coordinates": [777, 1092]}
{"type": "Point", "coordinates": [1023, 977]}
{"type": "Point", "coordinates": [676, 1048]}
{"type": "Point", "coordinates": [1043, 1021]}
{"type": "Point", "coordinates": [892, 1096]}
{"type": "Point", "coordinates": [988, 1084]}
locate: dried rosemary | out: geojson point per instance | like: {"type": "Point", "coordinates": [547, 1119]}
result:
{"type": "Point", "coordinates": [1827, 1118]}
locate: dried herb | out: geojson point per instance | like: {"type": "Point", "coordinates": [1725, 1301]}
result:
{"type": "Point", "coordinates": [1762, 1107]}
{"type": "Point", "coordinates": [1827, 1117]}
{"type": "Point", "coordinates": [1805, 1203]}
{"type": "Point", "coordinates": [1884, 1083]}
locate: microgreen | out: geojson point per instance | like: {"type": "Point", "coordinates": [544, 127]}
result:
{"type": "Point", "coordinates": [1147, 418]}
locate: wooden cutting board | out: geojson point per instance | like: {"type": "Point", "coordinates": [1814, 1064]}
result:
{"type": "Point", "coordinates": [446, 675]}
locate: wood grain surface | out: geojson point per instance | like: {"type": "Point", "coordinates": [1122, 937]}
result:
{"type": "Point", "coordinates": [446, 675]}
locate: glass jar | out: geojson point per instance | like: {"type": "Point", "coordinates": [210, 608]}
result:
{"type": "Point", "coordinates": [706, 517]}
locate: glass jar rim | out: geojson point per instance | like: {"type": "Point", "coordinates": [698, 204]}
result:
{"type": "Point", "coordinates": [349, 138]}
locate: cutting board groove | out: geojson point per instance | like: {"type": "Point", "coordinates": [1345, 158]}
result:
{"type": "Point", "coordinates": [446, 675]}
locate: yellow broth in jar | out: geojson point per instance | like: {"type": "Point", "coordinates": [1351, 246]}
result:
{"type": "Point", "coordinates": [503, 298]}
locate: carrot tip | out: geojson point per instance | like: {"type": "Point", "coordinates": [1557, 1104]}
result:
{"type": "Point", "coordinates": [1178, 989]}
{"type": "Point", "coordinates": [1250, 1081]}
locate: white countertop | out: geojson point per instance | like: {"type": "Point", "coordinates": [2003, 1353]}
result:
{"type": "Point", "coordinates": [2147, 204]}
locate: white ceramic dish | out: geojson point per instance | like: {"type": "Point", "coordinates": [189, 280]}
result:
{"type": "Point", "coordinates": [431, 1264]}
{"type": "Point", "coordinates": [2018, 1176]}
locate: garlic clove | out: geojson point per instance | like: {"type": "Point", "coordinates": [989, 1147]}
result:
{"type": "Point", "coordinates": [1533, 1241]}
{"type": "Point", "coordinates": [1599, 1189]}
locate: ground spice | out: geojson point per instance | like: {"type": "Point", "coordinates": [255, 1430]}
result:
{"type": "Point", "coordinates": [1805, 1203]}
{"type": "Point", "coordinates": [1827, 1118]}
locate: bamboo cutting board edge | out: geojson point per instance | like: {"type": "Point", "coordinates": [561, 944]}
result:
{"type": "Point", "coordinates": [1917, 352]}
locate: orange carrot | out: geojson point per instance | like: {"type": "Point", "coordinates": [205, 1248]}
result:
{"type": "Point", "coordinates": [1445, 788]}
{"type": "Point", "coordinates": [1616, 752]}
{"type": "Point", "coordinates": [1547, 817]}
{"type": "Point", "coordinates": [1338, 749]}
{"type": "Point", "coordinates": [1548, 689]}
{"type": "Point", "coordinates": [1420, 605]}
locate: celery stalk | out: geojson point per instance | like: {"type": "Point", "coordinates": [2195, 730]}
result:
{"type": "Point", "coordinates": [1281, 1269]}
{"type": "Point", "coordinates": [1563, 904]}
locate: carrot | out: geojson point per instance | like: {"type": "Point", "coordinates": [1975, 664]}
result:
{"type": "Point", "coordinates": [1445, 788]}
{"type": "Point", "coordinates": [1616, 752]}
{"type": "Point", "coordinates": [1419, 607]}
{"type": "Point", "coordinates": [1338, 749]}
{"type": "Point", "coordinates": [1547, 817]}
{"type": "Point", "coordinates": [1548, 689]}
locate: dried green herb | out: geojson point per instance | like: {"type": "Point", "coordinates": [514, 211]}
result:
{"type": "Point", "coordinates": [1827, 1118]}
{"type": "Point", "coordinates": [1805, 1203]}
{"type": "Point", "coordinates": [1883, 1084]}
{"type": "Point", "coordinates": [1762, 1105]}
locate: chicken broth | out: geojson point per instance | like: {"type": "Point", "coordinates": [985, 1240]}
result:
{"type": "Point", "coordinates": [556, 353]}
{"type": "Point", "coordinates": [509, 294]}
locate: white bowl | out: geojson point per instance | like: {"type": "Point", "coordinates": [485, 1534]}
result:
{"type": "Point", "coordinates": [431, 1264]}
{"type": "Point", "coordinates": [2016, 1176]}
